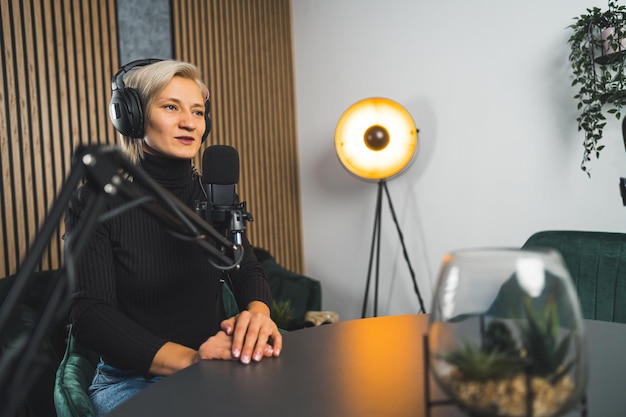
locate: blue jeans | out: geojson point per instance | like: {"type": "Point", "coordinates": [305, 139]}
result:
{"type": "Point", "coordinates": [112, 386]}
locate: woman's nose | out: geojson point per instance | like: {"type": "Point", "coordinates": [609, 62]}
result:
{"type": "Point", "coordinates": [188, 120]}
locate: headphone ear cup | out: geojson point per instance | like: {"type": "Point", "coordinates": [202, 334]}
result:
{"type": "Point", "coordinates": [207, 119]}
{"type": "Point", "coordinates": [126, 113]}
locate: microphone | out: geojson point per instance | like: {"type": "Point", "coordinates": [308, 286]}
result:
{"type": "Point", "coordinates": [220, 174]}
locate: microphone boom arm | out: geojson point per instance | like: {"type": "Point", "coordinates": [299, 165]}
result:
{"type": "Point", "coordinates": [104, 166]}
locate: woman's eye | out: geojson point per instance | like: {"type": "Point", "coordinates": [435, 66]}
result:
{"type": "Point", "coordinates": [170, 107]}
{"type": "Point", "coordinates": [199, 113]}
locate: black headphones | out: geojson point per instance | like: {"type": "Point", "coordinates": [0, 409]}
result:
{"type": "Point", "coordinates": [125, 108]}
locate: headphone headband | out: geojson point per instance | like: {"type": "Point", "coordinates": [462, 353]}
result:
{"type": "Point", "coordinates": [117, 83]}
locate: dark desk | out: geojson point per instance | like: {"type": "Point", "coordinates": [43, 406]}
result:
{"type": "Point", "coordinates": [369, 367]}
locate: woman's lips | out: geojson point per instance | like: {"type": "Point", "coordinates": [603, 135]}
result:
{"type": "Point", "coordinates": [185, 139]}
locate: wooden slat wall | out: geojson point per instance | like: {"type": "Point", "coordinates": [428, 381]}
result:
{"type": "Point", "coordinates": [244, 49]}
{"type": "Point", "coordinates": [57, 61]}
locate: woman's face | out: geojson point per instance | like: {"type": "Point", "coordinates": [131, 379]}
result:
{"type": "Point", "coordinates": [176, 122]}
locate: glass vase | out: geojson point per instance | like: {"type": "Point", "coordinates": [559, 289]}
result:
{"type": "Point", "coordinates": [506, 336]}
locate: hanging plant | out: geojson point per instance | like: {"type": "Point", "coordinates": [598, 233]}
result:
{"type": "Point", "coordinates": [597, 57]}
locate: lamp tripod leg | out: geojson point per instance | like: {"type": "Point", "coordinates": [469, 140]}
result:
{"type": "Point", "coordinates": [404, 251]}
{"type": "Point", "coordinates": [374, 247]}
{"type": "Point", "coordinates": [377, 274]}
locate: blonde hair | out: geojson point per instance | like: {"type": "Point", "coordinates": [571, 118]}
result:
{"type": "Point", "coordinates": [148, 81]}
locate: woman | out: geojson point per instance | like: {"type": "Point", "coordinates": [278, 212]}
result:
{"type": "Point", "coordinates": [148, 302]}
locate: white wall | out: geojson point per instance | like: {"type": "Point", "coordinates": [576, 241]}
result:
{"type": "Point", "coordinates": [488, 84]}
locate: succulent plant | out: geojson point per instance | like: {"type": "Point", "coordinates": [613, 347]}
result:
{"type": "Point", "coordinates": [477, 365]}
{"type": "Point", "coordinates": [499, 339]}
{"type": "Point", "coordinates": [282, 313]}
{"type": "Point", "coordinates": [541, 353]}
{"type": "Point", "coordinates": [541, 344]}
{"type": "Point", "coordinates": [497, 356]}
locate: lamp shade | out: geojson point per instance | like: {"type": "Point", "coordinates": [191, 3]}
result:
{"type": "Point", "coordinates": [375, 138]}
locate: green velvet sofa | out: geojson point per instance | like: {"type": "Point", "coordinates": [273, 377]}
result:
{"type": "Point", "coordinates": [597, 264]}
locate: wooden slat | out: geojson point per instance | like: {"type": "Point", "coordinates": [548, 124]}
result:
{"type": "Point", "coordinates": [9, 250]}
{"type": "Point", "coordinates": [15, 200]}
{"type": "Point", "coordinates": [40, 133]}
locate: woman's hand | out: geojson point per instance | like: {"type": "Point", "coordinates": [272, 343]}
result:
{"type": "Point", "coordinates": [254, 334]}
{"type": "Point", "coordinates": [219, 346]}
{"type": "Point", "coordinates": [173, 357]}
{"type": "Point", "coordinates": [249, 336]}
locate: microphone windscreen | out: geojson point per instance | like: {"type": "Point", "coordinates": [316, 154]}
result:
{"type": "Point", "coordinates": [220, 165]}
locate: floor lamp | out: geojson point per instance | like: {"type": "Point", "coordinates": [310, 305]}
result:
{"type": "Point", "coordinates": [375, 139]}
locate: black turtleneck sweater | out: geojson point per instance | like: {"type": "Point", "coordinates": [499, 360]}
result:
{"type": "Point", "coordinates": [138, 286]}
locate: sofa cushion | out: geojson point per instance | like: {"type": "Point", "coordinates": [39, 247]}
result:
{"type": "Point", "coordinates": [73, 378]}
